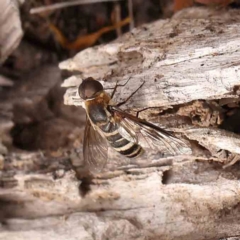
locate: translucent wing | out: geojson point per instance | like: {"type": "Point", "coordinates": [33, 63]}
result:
{"type": "Point", "coordinates": [127, 131]}
{"type": "Point", "coordinates": [155, 137]}
{"type": "Point", "coordinates": [95, 149]}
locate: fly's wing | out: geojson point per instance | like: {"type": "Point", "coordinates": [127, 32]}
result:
{"type": "Point", "coordinates": [95, 149]}
{"type": "Point", "coordinates": [127, 131]}
{"type": "Point", "coordinates": [155, 137]}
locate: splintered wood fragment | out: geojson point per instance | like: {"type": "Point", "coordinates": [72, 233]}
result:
{"type": "Point", "coordinates": [65, 4]}
{"type": "Point", "coordinates": [10, 27]}
{"type": "Point", "coordinates": [5, 82]}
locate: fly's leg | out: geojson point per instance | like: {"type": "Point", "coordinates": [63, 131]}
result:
{"type": "Point", "coordinates": [118, 85]}
{"type": "Point", "coordinates": [123, 102]}
{"type": "Point", "coordinates": [139, 111]}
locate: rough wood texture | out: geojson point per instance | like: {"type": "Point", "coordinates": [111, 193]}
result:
{"type": "Point", "coordinates": [180, 61]}
{"type": "Point", "coordinates": [10, 27]}
{"type": "Point", "coordinates": [191, 73]}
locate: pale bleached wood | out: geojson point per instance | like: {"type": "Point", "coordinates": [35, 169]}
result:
{"type": "Point", "coordinates": [133, 206]}
{"type": "Point", "coordinates": [181, 60]}
{"type": "Point", "coordinates": [179, 63]}
{"type": "Point", "coordinates": [6, 82]}
{"type": "Point", "coordinates": [171, 198]}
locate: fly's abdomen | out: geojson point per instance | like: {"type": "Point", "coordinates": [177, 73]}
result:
{"type": "Point", "coordinates": [118, 142]}
{"type": "Point", "coordinates": [100, 117]}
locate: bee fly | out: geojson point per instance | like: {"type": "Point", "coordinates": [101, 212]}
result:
{"type": "Point", "coordinates": [108, 125]}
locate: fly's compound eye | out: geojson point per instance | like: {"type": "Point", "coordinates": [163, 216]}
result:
{"type": "Point", "coordinates": [89, 88]}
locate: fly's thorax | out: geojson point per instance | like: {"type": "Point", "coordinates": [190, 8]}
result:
{"type": "Point", "coordinates": [102, 98]}
{"type": "Point", "coordinates": [96, 108]}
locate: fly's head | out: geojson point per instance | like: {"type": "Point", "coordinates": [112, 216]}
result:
{"type": "Point", "coordinates": [89, 89]}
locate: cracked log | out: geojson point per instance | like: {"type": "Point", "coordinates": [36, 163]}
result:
{"type": "Point", "coordinates": [190, 65]}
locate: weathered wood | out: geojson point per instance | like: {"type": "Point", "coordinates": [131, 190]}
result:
{"type": "Point", "coordinates": [191, 70]}
{"type": "Point", "coordinates": [10, 27]}
{"type": "Point", "coordinates": [181, 60]}
{"type": "Point", "coordinates": [124, 206]}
